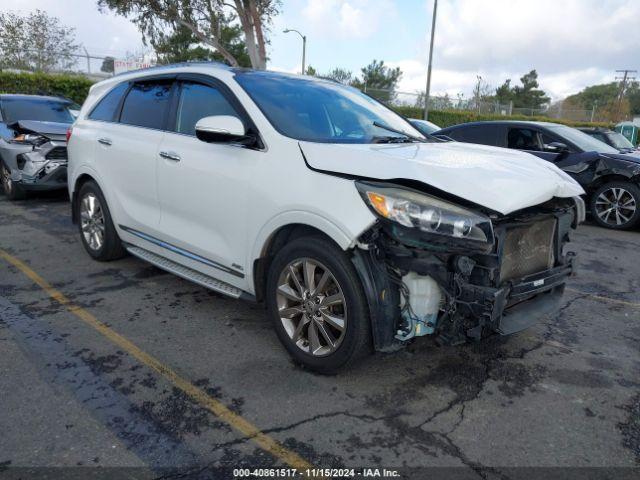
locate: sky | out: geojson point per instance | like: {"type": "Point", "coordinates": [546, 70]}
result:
{"type": "Point", "coordinates": [571, 43]}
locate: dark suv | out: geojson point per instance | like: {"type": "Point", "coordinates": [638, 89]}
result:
{"type": "Point", "coordinates": [33, 144]}
{"type": "Point", "coordinates": [611, 179]}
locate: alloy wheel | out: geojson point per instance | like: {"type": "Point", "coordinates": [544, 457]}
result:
{"type": "Point", "coordinates": [615, 206]}
{"type": "Point", "coordinates": [312, 307]}
{"type": "Point", "coordinates": [92, 221]}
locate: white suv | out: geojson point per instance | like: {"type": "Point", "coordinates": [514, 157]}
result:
{"type": "Point", "coordinates": [356, 231]}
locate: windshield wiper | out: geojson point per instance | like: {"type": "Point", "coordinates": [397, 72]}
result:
{"type": "Point", "coordinates": [399, 132]}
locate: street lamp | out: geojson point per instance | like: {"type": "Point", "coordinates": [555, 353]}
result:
{"type": "Point", "coordinates": [304, 44]}
{"type": "Point", "coordinates": [433, 31]}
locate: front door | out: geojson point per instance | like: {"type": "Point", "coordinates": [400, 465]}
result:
{"type": "Point", "coordinates": [202, 186]}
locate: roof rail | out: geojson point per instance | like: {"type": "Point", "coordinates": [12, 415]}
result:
{"type": "Point", "coordinates": [178, 65]}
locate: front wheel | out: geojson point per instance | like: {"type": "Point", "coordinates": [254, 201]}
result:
{"type": "Point", "coordinates": [317, 304]}
{"type": "Point", "coordinates": [616, 205]}
{"type": "Point", "coordinates": [12, 190]}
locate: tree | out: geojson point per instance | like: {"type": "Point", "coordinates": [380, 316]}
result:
{"type": "Point", "coordinates": [529, 95]}
{"type": "Point", "coordinates": [340, 75]}
{"type": "Point", "coordinates": [379, 80]}
{"type": "Point", "coordinates": [311, 71]}
{"type": "Point", "coordinates": [182, 46]}
{"type": "Point", "coordinates": [206, 19]}
{"type": "Point", "coordinates": [107, 65]}
{"type": "Point", "coordinates": [504, 93]}
{"type": "Point", "coordinates": [36, 42]}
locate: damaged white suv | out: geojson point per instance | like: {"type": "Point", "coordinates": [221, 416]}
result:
{"type": "Point", "coordinates": [356, 231]}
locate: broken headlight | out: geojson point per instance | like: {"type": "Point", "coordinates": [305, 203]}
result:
{"type": "Point", "coordinates": [30, 139]}
{"type": "Point", "coordinates": [429, 214]}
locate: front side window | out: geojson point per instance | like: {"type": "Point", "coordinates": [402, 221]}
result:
{"type": "Point", "coordinates": [146, 104]}
{"type": "Point", "coordinates": [320, 110]}
{"type": "Point", "coordinates": [523, 139]}
{"type": "Point", "coordinates": [106, 108]}
{"type": "Point", "coordinates": [44, 110]}
{"type": "Point", "coordinates": [198, 101]}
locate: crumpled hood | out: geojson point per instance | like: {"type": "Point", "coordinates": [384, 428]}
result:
{"type": "Point", "coordinates": [497, 178]}
{"type": "Point", "coordinates": [51, 130]}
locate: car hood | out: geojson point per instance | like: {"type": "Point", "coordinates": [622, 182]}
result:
{"type": "Point", "coordinates": [500, 179]}
{"type": "Point", "coordinates": [51, 130]}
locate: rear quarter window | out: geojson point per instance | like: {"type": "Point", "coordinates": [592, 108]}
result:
{"type": "Point", "coordinates": [106, 108]}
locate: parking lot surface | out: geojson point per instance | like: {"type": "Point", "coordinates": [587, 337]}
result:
{"type": "Point", "coordinates": [76, 392]}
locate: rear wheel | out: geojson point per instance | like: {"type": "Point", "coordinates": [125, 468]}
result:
{"type": "Point", "coordinates": [97, 232]}
{"type": "Point", "coordinates": [12, 190]}
{"type": "Point", "coordinates": [316, 302]}
{"type": "Point", "coordinates": [616, 205]}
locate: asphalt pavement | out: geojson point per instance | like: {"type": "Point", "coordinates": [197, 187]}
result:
{"type": "Point", "coordinates": [123, 365]}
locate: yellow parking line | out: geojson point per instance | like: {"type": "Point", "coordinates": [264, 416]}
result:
{"type": "Point", "coordinates": [243, 426]}
{"type": "Point", "coordinates": [605, 299]}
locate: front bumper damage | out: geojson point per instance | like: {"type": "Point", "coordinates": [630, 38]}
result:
{"type": "Point", "coordinates": [42, 167]}
{"type": "Point", "coordinates": [502, 290]}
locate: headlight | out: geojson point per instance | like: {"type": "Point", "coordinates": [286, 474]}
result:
{"type": "Point", "coordinates": [426, 213]}
{"type": "Point", "coordinates": [29, 138]}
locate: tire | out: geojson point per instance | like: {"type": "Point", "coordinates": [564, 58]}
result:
{"type": "Point", "coordinates": [110, 247]}
{"type": "Point", "coordinates": [623, 212]}
{"type": "Point", "coordinates": [12, 190]}
{"type": "Point", "coordinates": [321, 312]}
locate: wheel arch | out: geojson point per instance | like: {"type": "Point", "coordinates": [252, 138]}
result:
{"type": "Point", "coordinates": [279, 236]}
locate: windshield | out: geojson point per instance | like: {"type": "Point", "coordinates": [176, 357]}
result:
{"type": "Point", "coordinates": [14, 110]}
{"type": "Point", "coordinates": [584, 142]}
{"type": "Point", "coordinates": [619, 141]}
{"type": "Point", "coordinates": [322, 111]}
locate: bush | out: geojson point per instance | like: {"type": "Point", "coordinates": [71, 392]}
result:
{"type": "Point", "coordinates": [73, 87]}
{"type": "Point", "coordinates": [446, 118]}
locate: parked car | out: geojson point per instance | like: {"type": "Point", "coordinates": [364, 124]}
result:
{"type": "Point", "coordinates": [611, 138]}
{"type": "Point", "coordinates": [355, 230]}
{"type": "Point", "coordinates": [610, 179]}
{"type": "Point", "coordinates": [424, 126]}
{"type": "Point", "coordinates": [33, 147]}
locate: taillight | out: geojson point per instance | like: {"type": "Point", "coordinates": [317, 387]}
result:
{"type": "Point", "coordinates": [69, 130]}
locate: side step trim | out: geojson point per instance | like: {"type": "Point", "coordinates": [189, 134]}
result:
{"type": "Point", "coordinates": [187, 273]}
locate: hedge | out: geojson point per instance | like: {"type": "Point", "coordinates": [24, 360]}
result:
{"type": "Point", "coordinates": [73, 87]}
{"type": "Point", "coordinates": [446, 118]}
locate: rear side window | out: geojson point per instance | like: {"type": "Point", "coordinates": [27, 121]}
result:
{"type": "Point", "coordinates": [198, 101]}
{"type": "Point", "coordinates": [146, 104]}
{"type": "Point", "coordinates": [482, 134]}
{"type": "Point", "coordinates": [106, 108]}
{"type": "Point", "coordinates": [523, 139]}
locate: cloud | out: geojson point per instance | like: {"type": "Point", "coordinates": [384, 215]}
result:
{"type": "Point", "coordinates": [347, 19]}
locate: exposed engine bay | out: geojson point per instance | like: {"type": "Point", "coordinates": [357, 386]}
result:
{"type": "Point", "coordinates": [456, 291]}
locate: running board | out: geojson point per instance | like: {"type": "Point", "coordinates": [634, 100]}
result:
{"type": "Point", "coordinates": [187, 273]}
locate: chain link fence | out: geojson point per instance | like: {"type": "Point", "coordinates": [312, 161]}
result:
{"type": "Point", "coordinates": [481, 106]}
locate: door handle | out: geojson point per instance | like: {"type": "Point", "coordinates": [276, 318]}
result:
{"type": "Point", "coordinates": [170, 156]}
{"type": "Point", "coordinates": [104, 141]}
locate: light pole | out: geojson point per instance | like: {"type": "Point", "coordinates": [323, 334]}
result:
{"type": "Point", "coordinates": [433, 31]}
{"type": "Point", "coordinates": [304, 45]}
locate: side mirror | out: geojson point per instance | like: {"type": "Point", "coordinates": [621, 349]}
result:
{"type": "Point", "coordinates": [556, 147]}
{"type": "Point", "coordinates": [221, 129]}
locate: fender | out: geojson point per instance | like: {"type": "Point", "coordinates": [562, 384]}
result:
{"type": "Point", "coordinates": [338, 234]}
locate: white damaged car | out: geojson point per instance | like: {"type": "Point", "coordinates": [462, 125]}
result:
{"type": "Point", "coordinates": [357, 232]}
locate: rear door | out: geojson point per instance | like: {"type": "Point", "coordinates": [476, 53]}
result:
{"type": "Point", "coordinates": [126, 152]}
